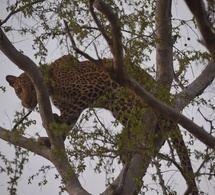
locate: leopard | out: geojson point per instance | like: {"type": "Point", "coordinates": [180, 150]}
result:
{"type": "Point", "coordinates": [72, 88]}
{"type": "Point", "coordinates": [76, 85]}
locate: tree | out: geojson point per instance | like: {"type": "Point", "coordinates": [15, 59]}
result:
{"type": "Point", "coordinates": [131, 31]}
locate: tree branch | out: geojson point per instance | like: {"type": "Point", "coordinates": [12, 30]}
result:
{"type": "Point", "coordinates": [127, 81]}
{"type": "Point", "coordinates": [99, 25]}
{"type": "Point", "coordinates": [57, 156]}
{"type": "Point", "coordinates": [196, 88]}
{"type": "Point", "coordinates": [28, 144]}
{"type": "Point", "coordinates": [27, 65]}
{"type": "Point", "coordinates": [116, 47]}
{"type": "Point", "coordinates": [21, 120]}
{"type": "Point", "coordinates": [164, 52]}
{"type": "Point", "coordinates": [160, 177]}
{"type": "Point", "coordinates": [165, 75]}
{"type": "Point", "coordinates": [170, 113]}
{"type": "Point", "coordinates": [197, 7]}
{"type": "Point", "coordinates": [74, 44]}
{"type": "Point", "coordinates": [14, 11]}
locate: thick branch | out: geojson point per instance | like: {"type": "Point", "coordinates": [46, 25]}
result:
{"type": "Point", "coordinates": [196, 88]}
{"type": "Point", "coordinates": [57, 156]}
{"type": "Point", "coordinates": [157, 105]}
{"type": "Point", "coordinates": [139, 162]}
{"type": "Point", "coordinates": [28, 144]}
{"type": "Point", "coordinates": [27, 65]}
{"type": "Point", "coordinates": [169, 112]}
{"type": "Point", "coordinates": [117, 47]}
{"type": "Point", "coordinates": [139, 165]}
{"type": "Point", "coordinates": [164, 53]}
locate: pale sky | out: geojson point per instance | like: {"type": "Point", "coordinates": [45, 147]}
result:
{"type": "Point", "coordinates": [9, 103]}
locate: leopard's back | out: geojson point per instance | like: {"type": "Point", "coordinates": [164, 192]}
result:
{"type": "Point", "coordinates": [75, 87]}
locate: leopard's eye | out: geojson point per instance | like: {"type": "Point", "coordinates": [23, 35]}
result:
{"type": "Point", "coordinates": [18, 90]}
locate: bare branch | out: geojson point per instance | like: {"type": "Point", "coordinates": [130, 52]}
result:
{"type": "Point", "coordinates": [167, 158]}
{"type": "Point", "coordinates": [164, 52]}
{"type": "Point", "coordinates": [196, 88]}
{"type": "Point", "coordinates": [160, 176]}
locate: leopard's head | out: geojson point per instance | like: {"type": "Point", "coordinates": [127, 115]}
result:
{"type": "Point", "coordinates": [24, 89]}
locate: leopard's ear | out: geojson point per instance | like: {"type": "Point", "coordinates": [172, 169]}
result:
{"type": "Point", "coordinates": [11, 79]}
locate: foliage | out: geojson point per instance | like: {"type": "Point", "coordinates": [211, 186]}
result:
{"type": "Point", "coordinates": [14, 168]}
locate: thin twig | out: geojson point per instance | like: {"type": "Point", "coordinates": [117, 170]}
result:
{"type": "Point", "coordinates": [14, 11]}
{"type": "Point", "coordinates": [171, 149]}
{"type": "Point", "coordinates": [207, 120]}
{"type": "Point", "coordinates": [160, 176]}
{"type": "Point", "coordinates": [99, 25]}
{"type": "Point", "coordinates": [21, 120]}
{"type": "Point", "coordinates": [167, 158]}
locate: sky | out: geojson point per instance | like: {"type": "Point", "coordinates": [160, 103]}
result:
{"type": "Point", "coordinates": [9, 103]}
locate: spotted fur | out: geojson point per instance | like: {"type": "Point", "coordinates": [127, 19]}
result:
{"type": "Point", "coordinates": [73, 86]}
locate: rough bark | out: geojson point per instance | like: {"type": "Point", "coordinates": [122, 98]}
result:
{"type": "Point", "coordinates": [164, 53]}
{"type": "Point", "coordinates": [164, 75]}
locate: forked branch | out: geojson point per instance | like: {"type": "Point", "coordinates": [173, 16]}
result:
{"type": "Point", "coordinates": [127, 81]}
{"type": "Point", "coordinates": [57, 153]}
